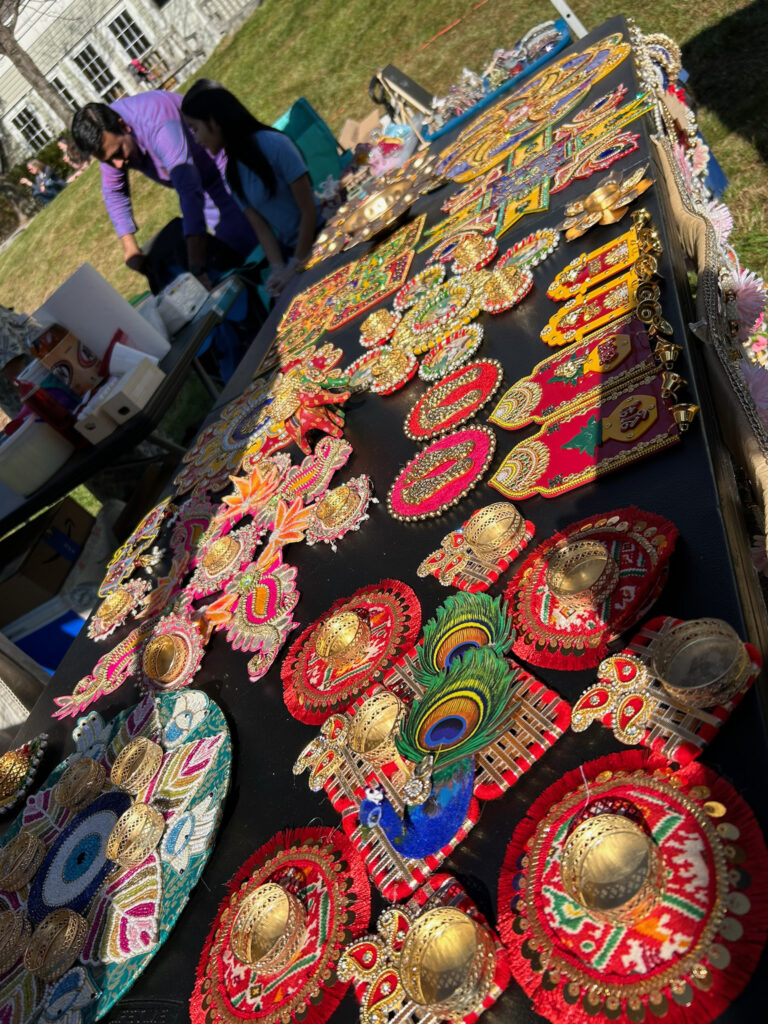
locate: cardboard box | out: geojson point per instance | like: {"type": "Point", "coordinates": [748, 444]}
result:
{"type": "Point", "coordinates": [74, 365]}
{"type": "Point", "coordinates": [35, 561]}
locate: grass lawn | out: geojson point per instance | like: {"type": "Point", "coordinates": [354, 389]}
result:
{"type": "Point", "coordinates": [327, 50]}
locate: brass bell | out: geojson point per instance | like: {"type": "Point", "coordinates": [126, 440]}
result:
{"type": "Point", "coordinates": [641, 217]}
{"type": "Point", "coordinates": [671, 384]}
{"type": "Point", "coordinates": [667, 352]}
{"type": "Point", "coordinates": [684, 413]}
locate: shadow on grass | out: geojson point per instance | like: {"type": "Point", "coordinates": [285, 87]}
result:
{"type": "Point", "coordinates": [727, 67]}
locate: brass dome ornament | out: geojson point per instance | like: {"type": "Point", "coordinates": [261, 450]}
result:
{"type": "Point", "coordinates": [371, 732]}
{"type": "Point", "coordinates": [80, 784]}
{"type": "Point", "coordinates": [269, 928]}
{"type": "Point", "coordinates": [494, 529]}
{"type": "Point", "coordinates": [173, 652]}
{"type": "Point", "coordinates": [701, 663]}
{"type": "Point", "coordinates": [611, 866]}
{"type": "Point", "coordinates": [447, 962]}
{"type": "Point", "coordinates": [221, 554]}
{"type": "Point", "coordinates": [342, 638]}
{"type": "Point", "coordinates": [15, 932]}
{"type": "Point", "coordinates": [137, 764]}
{"type": "Point", "coordinates": [503, 288]}
{"type": "Point", "coordinates": [582, 574]}
{"type": "Point", "coordinates": [56, 944]}
{"type": "Point", "coordinates": [19, 860]}
{"type": "Point", "coordinates": [163, 658]}
{"type": "Point", "coordinates": [135, 835]}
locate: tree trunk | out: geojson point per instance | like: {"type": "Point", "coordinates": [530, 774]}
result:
{"type": "Point", "coordinates": [27, 67]}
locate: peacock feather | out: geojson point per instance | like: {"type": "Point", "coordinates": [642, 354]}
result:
{"type": "Point", "coordinates": [464, 709]}
{"type": "Point", "coordinates": [462, 623]}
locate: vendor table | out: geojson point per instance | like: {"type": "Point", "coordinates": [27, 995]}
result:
{"type": "Point", "coordinates": [691, 484]}
{"type": "Point", "coordinates": [89, 460]}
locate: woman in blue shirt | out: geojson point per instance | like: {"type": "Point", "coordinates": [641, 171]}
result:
{"type": "Point", "coordinates": [266, 173]}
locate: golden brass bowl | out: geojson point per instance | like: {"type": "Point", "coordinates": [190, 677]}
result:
{"type": "Point", "coordinates": [137, 764]}
{"type": "Point", "coordinates": [80, 784]}
{"type": "Point", "coordinates": [379, 209]}
{"type": "Point", "coordinates": [379, 323]}
{"type": "Point", "coordinates": [602, 198]}
{"type": "Point", "coordinates": [701, 662]}
{"type": "Point", "coordinates": [447, 962]}
{"type": "Point", "coordinates": [471, 250]}
{"type": "Point", "coordinates": [268, 929]}
{"type": "Point", "coordinates": [15, 931]}
{"type": "Point", "coordinates": [221, 554]}
{"type": "Point", "coordinates": [582, 574]}
{"type": "Point", "coordinates": [55, 944]}
{"type": "Point", "coordinates": [502, 288]}
{"type": "Point", "coordinates": [372, 731]}
{"type": "Point", "coordinates": [135, 835]}
{"type": "Point", "coordinates": [342, 638]}
{"type": "Point", "coordinates": [494, 530]}
{"type": "Point", "coordinates": [115, 606]}
{"type": "Point", "coordinates": [14, 766]}
{"type": "Point", "coordinates": [612, 867]}
{"type": "Point", "coordinates": [19, 860]}
{"type": "Point", "coordinates": [165, 657]}
{"type": "Point", "coordinates": [336, 506]}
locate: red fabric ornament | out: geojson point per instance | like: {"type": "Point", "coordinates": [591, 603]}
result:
{"type": "Point", "coordinates": [693, 952]}
{"type": "Point", "coordinates": [323, 871]}
{"type": "Point", "coordinates": [556, 636]}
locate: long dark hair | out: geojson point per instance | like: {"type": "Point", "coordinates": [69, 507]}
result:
{"type": "Point", "coordinates": [208, 100]}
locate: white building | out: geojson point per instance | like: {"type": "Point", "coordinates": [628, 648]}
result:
{"type": "Point", "coordinates": [85, 48]}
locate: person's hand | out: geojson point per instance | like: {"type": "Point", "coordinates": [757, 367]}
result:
{"type": "Point", "coordinates": [137, 262]}
{"type": "Point", "coordinates": [25, 181]}
{"type": "Point", "coordinates": [280, 276]}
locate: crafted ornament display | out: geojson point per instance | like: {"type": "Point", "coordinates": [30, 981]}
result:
{"type": "Point", "coordinates": [584, 586]}
{"type": "Point", "coordinates": [450, 724]}
{"type": "Point", "coordinates": [578, 375]}
{"type": "Point", "coordinates": [605, 204]}
{"type": "Point", "coordinates": [273, 949]}
{"type": "Point", "coordinates": [632, 892]}
{"type": "Point", "coordinates": [127, 557]}
{"type": "Point", "coordinates": [342, 509]}
{"type": "Point", "coordinates": [450, 352]}
{"type": "Point", "coordinates": [435, 958]}
{"type": "Point", "coordinates": [104, 856]}
{"type": "Point", "coordinates": [18, 768]}
{"type": "Point", "coordinates": [672, 688]}
{"type": "Point", "coordinates": [456, 399]}
{"type": "Point", "coordinates": [342, 653]}
{"type": "Point", "coordinates": [592, 439]}
{"type": "Point", "coordinates": [485, 545]}
{"type": "Point", "coordinates": [441, 474]}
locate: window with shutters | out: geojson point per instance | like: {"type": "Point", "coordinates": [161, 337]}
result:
{"type": "Point", "coordinates": [129, 35]}
{"type": "Point", "coordinates": [98, 74]}
{"type": "Point", "coordinates": [28, 123]}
